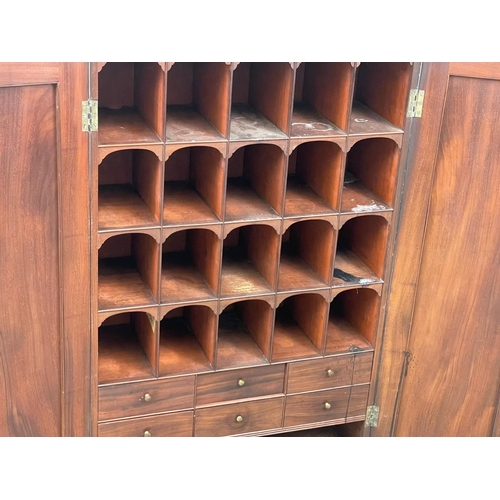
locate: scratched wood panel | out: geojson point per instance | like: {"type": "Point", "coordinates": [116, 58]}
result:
{"type": "Point", "coordinates": [452, 382]}
{"type": "Point", "coordinates": [30, 369]}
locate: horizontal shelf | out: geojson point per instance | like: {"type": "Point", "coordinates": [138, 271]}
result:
{"type": "Point", "coordinates": [356, 198]}
{"type": "Point", "coordinates": [121, 286]}
{"type": "Point", "coordinates": [182, 205]}
{"type": "Point", "coordinates": [236, 348]}
{"type": "Point", "coordinates": [124, 127]}
{"type": "Point", "coordinates": [121, 207]}
{"type": "Point", "coordinates": [306, 122]}
{"type": "Point", "coordinates": [342, 337]}
{"type": "Point", "coordinates": [184, 124]}
{"type": "Point", "coordinates": [249, 125]}
{"type": "Point", "coordinates": [181, 281]}
{"type": "Point", "coordinates": [121, 356]}
{"type": "Point", "coordinates": [180, 352]}
{"type": "Point", "coordinates": [239, 276]}
{"type": "Point", "coordinates": [301, 200]}
{"type": "Point", "coordinates": [244, 204]}
{"type": "Point", "coordinates": [351, 270]}
{"type": "Point", "coordinates": [365, 122]}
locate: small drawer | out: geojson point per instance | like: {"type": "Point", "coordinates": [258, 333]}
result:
{"type": "Point", "coordinates": [326, 373]}
{"type": "Point", "coordinates": [171, 425]}
{"type": "Point", "coordinates": [143, 398]}
{"type": "Point", "coordinates": [316, 407]}
{"type": "Point", "coordinates": [239, 384]}
{"type": "Point", "coordinates": [362, 368]}
{"type": "Point", "coordinates": [239, 418]}
{"type": "Point", "coordinates": [358, 401]}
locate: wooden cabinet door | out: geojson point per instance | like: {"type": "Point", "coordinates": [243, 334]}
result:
{"type": "Point", "coordinates": [441, 375]}
{"type": "Point", "coordinates": [44, 251]}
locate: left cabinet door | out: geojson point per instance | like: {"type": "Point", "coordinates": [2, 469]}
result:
{"type": "Point", "coordinates": [44, 251]}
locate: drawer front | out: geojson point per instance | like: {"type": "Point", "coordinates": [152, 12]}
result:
{"type": "Point", "coordinates": [326, 373]}
{"type": "Point", "coordinates": [362, 368]}
{"type": "Point", "coordinates": [239, 384]}
{"type": "Point", "coordinates": [142, 398]}
{"type": "Point", "coordinates": [171, 425]}
{"type": "Point", "coordinates": [358, 401]}
{"type": "Point", "coordinates": [239, 418]}
{"type": "Point", "coordinates": [316, 407]}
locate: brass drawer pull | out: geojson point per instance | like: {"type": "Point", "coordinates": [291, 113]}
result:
{"type": "Point", "coordinates": [239, 419]}
{"type": "Point", "coordinates": [147, 397]}
{"type": "Point", "coordinates": [330, 373]}
{"type": "Point", "coordinates": [327, 405]}
{"type": "Point", "coordinates": [241, 382]}
{"type": "Point", "coordinates": [147, 434]}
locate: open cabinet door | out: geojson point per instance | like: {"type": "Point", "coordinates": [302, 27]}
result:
{"type": "Point", "coordinates": [441, 371]}
{"type": "Point", "coordinates": [44, 251]}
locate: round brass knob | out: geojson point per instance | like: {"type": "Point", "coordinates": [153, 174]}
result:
{"type": "Point", "coordinates": [239, 419]}
{"type": "Point", "coordinates": [327, 405]}
{"type": "Point", "coordinates": [147, 397]}
{"type": "Point", "coordinates": [241, 382]}
{"type": "Point", "coordinates": [329, 373]}
{"type": "Point", "coordinates": [147, 434]}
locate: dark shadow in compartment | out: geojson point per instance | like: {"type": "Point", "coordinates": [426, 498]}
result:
{"type": "Point", "coordinates": [313, 183]}
{"type": "Point", "coordinates": [260, 101]}
{"type": "Point", "coordinates": [244, 334]}
{"type": "Point", "coordinates": [299, 327]}
{"type": "Point", "coordinates": [353, 321]}
{"type": "Point", "coordinates": [361, 252]}
{"type": "Point", "coordinates": [131, 97]}
{"type": "Point", "coordinates": [129, 190]}
{"type": "Point", "coordinates": [197, 101]}
{"type": "Point", "coordinates": [255, 183]}
{"type": "Point", "coordinates": [249, 261]}
{"type": "Point", "coordinates": [371, 176]}
{"type": "Point", "coordinates": [190, 266]}
{"type": "Point", "coordinates": [306, 256]}
{"type": "Point", "coordinates": [321, 99]}
{"type": "Point", "coordinates": [128, 271]}
{"type": "Point", "coordinates": [383, 88]}
{"type": "Point", "coordinates": [127, 347]}
{"type": "Point", "coordinates": [187, 340]}
{"type": "Point", "coordinates": [194, 180]}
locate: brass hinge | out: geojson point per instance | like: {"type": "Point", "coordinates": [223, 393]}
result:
{"type": "Point", "coordinates": [415, 103]}
{"type": "Point", "coordinates": [89, 116]}
{"type": "Point", "coordinates": [372, 416]}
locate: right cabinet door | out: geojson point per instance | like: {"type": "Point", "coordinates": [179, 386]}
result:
{"type": "Point", "coordinates": [451, 383]}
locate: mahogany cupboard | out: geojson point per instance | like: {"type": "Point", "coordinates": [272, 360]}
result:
{"type": "Point", "coordinates": [207, 248]}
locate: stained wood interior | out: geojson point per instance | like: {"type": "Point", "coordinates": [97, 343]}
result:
{"type": "Point", "coordinates": [383, 87]}
{"type": "Point", "coordinates": [194, 186]}
{"type": "Point", "coordinates": [306, 256]}
{"type": "Point", "coordinates": [135, 87]}
{"type": "Point", "coordinates": [127, 348]}
{"type": "Point", "coordinates": [321, 99]}
{"type": "Point", "coordinates": [299, 327]}
{"type": "Point", "coordinates": [187, 340]}
{"type": "Point", "coordinates": [128, 271]}
{"type": "Point", "coordinates": [197, 101]}
{"type": "Point", "coordinates": [362, 239]}
{"type": "Point", "coordinates": [249, 263]}
{"type": "Point", "coordinates": [255, 183]}
{"type": "Point", "coordinates": [190, 266]}
{"type": "Point", "coordinates": [313, 183]}
{"type": "Point", "coordinates": [352, 321]}
{"type": "Point", "coordinates": [260, 101]}
{"type": "Point", "coordinates": [244, 334]}
{"type": "Point", "coordinates": [374, 165]}
{"type": "Point", "coordinates": [129, 190]}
